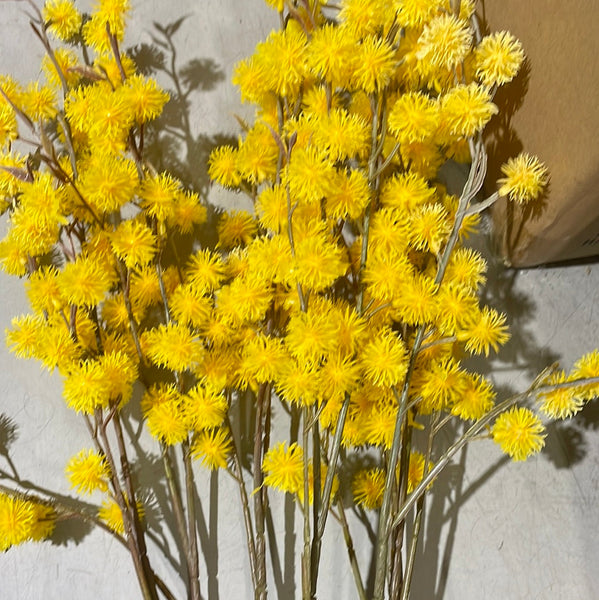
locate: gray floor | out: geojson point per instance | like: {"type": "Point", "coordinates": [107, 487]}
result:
{"type": "Point", "coordinates": [503, 531]}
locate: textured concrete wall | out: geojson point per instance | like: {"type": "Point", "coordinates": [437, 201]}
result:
{"type": "Point", "coordinates": [521, 531]}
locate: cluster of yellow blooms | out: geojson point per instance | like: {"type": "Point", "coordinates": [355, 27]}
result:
{"type": "Point", "coordinates": [348, 284]}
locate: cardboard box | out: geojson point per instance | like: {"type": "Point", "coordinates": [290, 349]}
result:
{"type": "Point", "coordinates": [550, 110]}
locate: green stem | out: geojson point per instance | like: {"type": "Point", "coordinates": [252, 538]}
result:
{"type": "Point", "coordinates": [193, 560]}
{"type": "Point", "coordinates": [306, 554]}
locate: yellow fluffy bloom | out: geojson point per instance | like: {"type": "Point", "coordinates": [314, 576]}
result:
{"type": "Point", "coordinates": [375, 64]}
{"type": "Point", "coordinates": [250, 76]}
{"type": "Point", "coordinates": [561, 403]}
{"type": "Point", "coordinates": [111, 514]}
{"type": "Point", "coordinates": [262, 359]}
{"type": "Point", "coordinates": [406, 191]}
{"type": "Point", "coordinates": [349, 195]}
{"type": "Point", "coordinates": [67, 62]}
{"type": "Point", "coordinates": [429, 227]}
{"type": "Point", "coordinates": [475, 398]}
{"type": "Point", "coordinates": [212, 446]}
{"type": "Point", "coordinates": [22, 520]}
{"type": "Point", "coordinates": [413, 118]}
{"type": "Point", "coordinates": [222, 166]}
{"type": "Point", "coordinates": [163, 409]}
{"type": "Point", "coordinates": [343, 135]}
{"type": "Point", "coordinates": [88, 471]}
{"type": "Point", "coordinates": [84, 282]}
{"type": "Point", "coordinates": [465, 110]}
{"type": "Point", "coordinates": [271, 208]}
{"type": "Point", "coordinates": [458, 304]}
{"type": "Point", "coordinates": [134, 243]}
{"type": "Point", "coordinates": [445, 41]}
{"type": "Point", "coordinates": [318, 262]}
{"type": "Point", "coordinates": [389, 233]}
{"type": "Point", "coordinates": [22, 338]}
{"type": "Point", "coordinates": [361, 17]}
{"type": "Point", "coordinates": [384, 359]}
{"type": "Point", "coordinates": [587, 366]}
{"type": "Point", "coordinates": [466, 267]}
{"type": "Point", "coordinates": [146, 98]}
{"type": "Point", "coordinates": [368, 486]}
{"type": "Point", "coordinates": [144, 289]}
{"type": "Point", "coordinates": [379, 427]}
{"type": "Point", "coordinates": [519, 433]}
{"type": "Point", "coordinates": [297, 382]}
{"type": "Point", "coordinates": [415, 470]}
{"type": "Point", "coordinates": [283, 55]}
{"type": "Point", "coordinates": [525, 178]}
{"type": "Point", "coordinates": [159, 196]}
{"type": "Point", "coordinates": [44, 291]}
{"type": "Point", "coordinates": [109, 120]}
{"type": "Point", "coordinates": [284, 468]}
{"type": "Point", "coordinates": [417, 302]}
{"type": "Point", "coordinates": [56, 348]}
{"type": "Point", "coordinates": [109, 182]}
{"type": "Point", "coordinates": [205, 271]}
{"type": "Point", "coordinates": [63, 19]}
{"type": "Point", "coordinates": [188, 212]}
{"type": "Point", "coordinates": [310, 335]}
{"type": "Point", "coordinates": [8, 124]}
{"type": "Point", "coordinates": [498, 58]}
{"type": "Point", "coordinates": [331, 54]}
{"type": "Point", "coordinates": [39, 102]}
{"type": "Point", "coordinates": [484, 330]}
{"type": "Point", "coordinates": [86, 387]}
{"type": "Point", "coordinates": [235, 228]}
{"type": "Point", "coordinates": [204, 408]}
{"type": "Point", "coordinates": [415, 13]}
{"type": "Point", "coordinates": [189, 306]}
{"type": "Point", "coordinates": [440, 383]}
{"type": "Point", "coordinates": [308, 175]}
{"type": "Point", "coordinates": [172, 346]}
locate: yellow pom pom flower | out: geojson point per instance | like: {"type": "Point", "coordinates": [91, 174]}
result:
{"type": "Point", "coordinates": [212, 446]}
{"type": "Point", "coordinates": [465, 110]}
{"type": "Point", "coordinates": [519, 433]}
{"type": "Point", "coordinates": [368, 487]}
{"type": "Point", "coordinates": [62, 18]}
{"type": "Point", "coordinates": [376, 62]}
{"type": "Point", "coordinates": [284, 468]}
{"type": "Point", "coordinates": [413, 118]}
{"type": "Point", "coordinates": [445, 41]}
{"type": "Point", "coordinates": [525, 178]}
{"type": "Point", "coordinates": [498, 58]}
{"type": "Point", "coordinates": [384, 359]}
{"type": "Point", "coordinates": [88, 471]}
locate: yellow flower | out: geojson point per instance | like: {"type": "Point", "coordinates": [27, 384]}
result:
{"type": "Point", "coordinates": [212, 446]}
{"type": "Point", "coordinates": [466, 267]}
{"type": "Point", "coordinates": [297, 382]}
{"type": "Point", "coordinates": [368, 486]}
{"type": "Point", "coordinates": [16, 521]}
{"type": "Point", "coordinates": [8, 124]}
{"type": "Point", "coordinates": [109, 119]}
{"type": "Point", "coordinates": [384, 359]}
{"type": "Point", "coordinates": [441, 382]}
{"type": "Point", "coordinates": [283, 55]}
{"type": "Point", "coordinates": [429, 227]}
{"type": "Point", "coordinates": [458, 304]}
{"type": "Point", "coordinates": [380, 425]}
{"type": "Point", "coordinates": [445, 41]}
{"type": "Point", "coordinates": [561, 403]}
{"type": "Point", "coordinates": [331, 54]}
{"type": "Point", "coordinates": [519, 433]}
{"type": "Point", "coordinates": [205, 271]}
{"type": "Point", "coordinates": [375, 64]}
{"type": "Point", "coordinates": [349, 195]}
{"type": "Point", "coordinates": [389, 234]}
{"type": "Point", "coordinates": [235, 228]}
{"type": "Point", "coordinates": [406, 191]}
{"type": "Point", "coordinates": [84, 282]}
{"type": "Point", "coordinates": [88, 471]}
{"type": "Point", "coordinates": [249, 75]}
{"type": "Point", "coordinates": [483, 330]}
{"type": "Point", "coordinates": [475, 399]}
{"type": "Point", "coordinates": [188, 212]}
{"type": "Point", "coordinates": [465, 110]}
{"type": "Point", "coordinates": [44, 292]}
{"type": "Point", "coordinates": [342, 135]}
{"type": "Point", "coordinates": [361, 17]}
{"type": "Point", "coordinates": [111, 514]}
{"type": "Point", "coordinates": [109, 182]}
{"type": "Point", "coordinates": [22, 338]}
{"type": "Point", "coordinates": [145, 97]}
{"type": "Point", "coordinates": [55, 346]}
{"type": "Point", "coordinates": [204, 408]}
{"type": "Point", "coordinates": [498, 58]}
{"type": "Point", "coordinates": [308, 175]}
{"type": "Point", "coordinates": [284, 468]}
{"type": "Point", "coordinates": [417, 302]}
{"type": "Point", "coordinates": [62, 18]}
{"type": "Point", "coordinates": [134, 243]}
{"type": "Point", "coordinates": [67, 61]}
{"type": "Point", "coordinates": [222, 166]}
{"type": "Point", "coordinates": [413, 118]}
{"type": "Point", "coordinates": [262, 359]}
{"type": "Point", "coordinates": [414, 13]}
{"type": "Point", "coordinates": [415, 470]}
{"type": "Point", "coordinates": [525, 178]}
{"type": "Point", "coordinates": [271, 208]}
{"type": "Point", "coordinates": [172, 346]}
{"type": "Point", "coordinates": [310, 335]}
{"type": "Point", "coordinates": [86, 387]}
{"type": "Point", "coordinates": [587, 366]}
{"type": "Point", "coordinates": [163, 409]}
{"type": "Point", "coordinates": [189, 306]}
{"type": "Point", "coordinates": [318, 261]}
{"type": "Point", "coordinates": [159, 196]}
